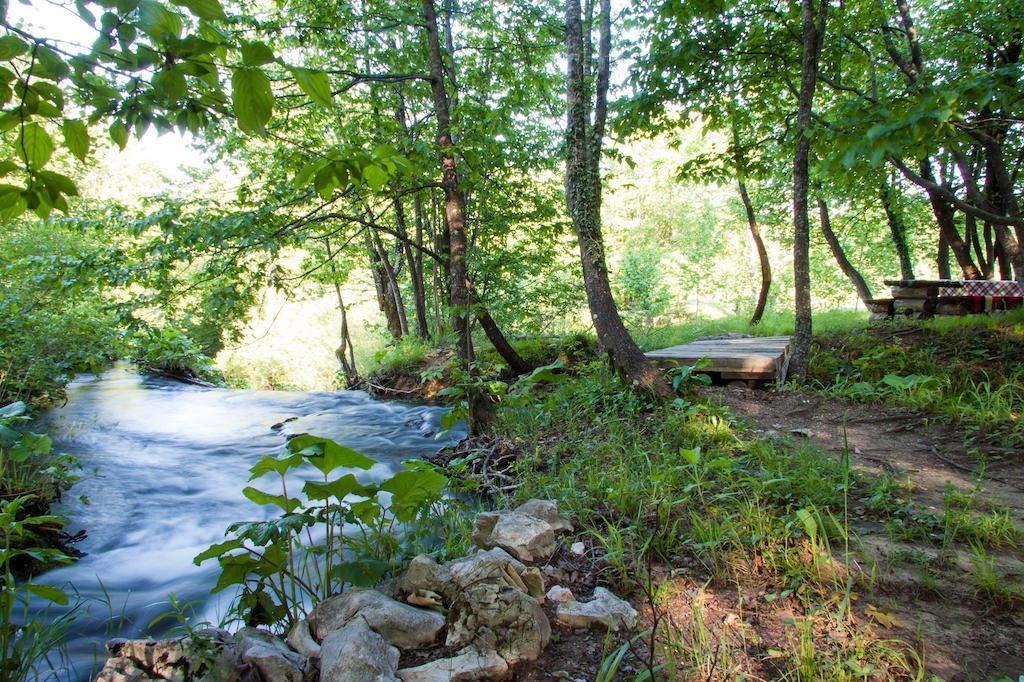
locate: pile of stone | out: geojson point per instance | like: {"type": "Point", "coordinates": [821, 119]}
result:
{"type": "Point", "coordinates": [489, 606]}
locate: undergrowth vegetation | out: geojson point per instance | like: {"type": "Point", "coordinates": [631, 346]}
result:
{"type": "Point", "coordinates": [967, 370]}
{"type": "Point", "coordinates": [682, 485]}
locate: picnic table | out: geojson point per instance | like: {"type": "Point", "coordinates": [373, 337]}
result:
{"type": "Point", "coordinates": [930, 297]}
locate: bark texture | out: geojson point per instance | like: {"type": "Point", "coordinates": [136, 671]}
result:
{"type": "Point", "coordinates": [584, 142]}
{"type": "Point", "coordinates": [851, 272]}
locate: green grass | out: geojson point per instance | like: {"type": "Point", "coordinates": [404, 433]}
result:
{"type": "Point", "coordinates": [965, 370]}
{"type": "Point", "coordinates": [773, 324]}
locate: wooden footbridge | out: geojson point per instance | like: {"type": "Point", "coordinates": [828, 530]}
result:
{"type": "Point", "coordinates": [747, 358]}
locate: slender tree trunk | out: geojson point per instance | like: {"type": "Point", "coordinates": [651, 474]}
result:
{"type": "Point", "coordinates": [812, 36]}
{"type": "Point", "coordinates": [583, 197]}
{"type": "Point", "coordinates": [415, 277]}
{"type": "Point", "coordinates": [755, 232]}
{"type": "Point", "coordinates": [972, 238]}
{"type": "Point", "coordinates": [345, 352]}
{"type": "Point", "coordinates": [851, 272]}
{"type": "Point", "coordinates": [897, 228]}
{"type": "Point", "coordinates": [942, 257]}
{"type": "Point", "coordinates": [385, 300]}
{"type": "Point", "coordinates": [762, 255]}
{"type": "Point", "coordinates": [391, 280]}
{"type": "Point", "coordinates": [947, 227]}
{"type": "Point", "coordinates": [454, 218]}
{"type": "Point", "coordinates": [422, 326]}
{"type": "Point", "coordinates": [1007, 202]}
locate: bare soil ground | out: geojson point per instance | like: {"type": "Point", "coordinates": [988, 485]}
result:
{"type": "Point", "coordinates": [960, 635]}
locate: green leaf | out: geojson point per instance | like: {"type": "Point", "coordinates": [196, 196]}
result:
{"type": "Point", "coordinates": [339, 488]}
{"type": "Point", "coordinates": [217, 550]}
{"type": "Point", "coordinates": [411, 489]}
{"type": "Point", "coordinates": [15, 409]}
{"type": "Point", "coordinates": [315, 84]}
{"type": "Point", "coordinates": [257, 54]}
{"type": "Point", "coordinates": [49, 593]}
{"type": "Point", "coordinates": [448, 420]}
{"type": "Point", "coordinates": [34, 146]}
{"type": "Point", "coordinates": [76, 138]}
{"type": "Point", "coordinates": [326, 455]}
{"type": "Point", "coordinates": [279, 501]}
{"type": "Point", "coordinates": [30, 445]}
{"type": "Point", "coordinates": [251, 99]}
{"type": "Point", "coordinates": [157, 21]}
{"type": "Point", "coordinates": [119, 134]}
{"type": "Point", "coordinates": [171, 84]}
{"type": "Point", "coordinates": [375, 176]}
{"type": "Point", "coordinates": [267, 464]}
{"type": "Point", "coordinates": [210, 10]}
{"type": "Point", "coordinates": [11, 47]}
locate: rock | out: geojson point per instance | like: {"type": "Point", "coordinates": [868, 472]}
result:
{"type": "Point", "coordinates": [499, 618]}
{"type": "Point", "coordinates": [146, 659]}
{"type": "Point", "coordinates": [247, 638]}
{"type": "Point", "coordinates": [425, 574]}
{"type": "Point", "coordinates": [534, 582]}
{"type": "Point", "coordinates": [120, 669]}
{"type": "Point", "coordinates": [525, 537]}
{"type": "Point", "coordinates": [545, 510]}
{"type": "Point", "coordinates": [605, 609]}
{"type": "Point", "coordinates": [428, 599]}
{"type": "Point", "coordinates": [355, 653]}
{"type": "Point", "coordinates": [275, 665]}
{"type": "Point", "coordinates": [559, 594]}
{"type": "Point", "coordinates": [578, 548]}
{"type": "Point", "coordinates": [400, 624]}
{"type": "Point", "coordinates": [468, 664]}
{"type": "Point", "coordinates": [301, 639]}
{"type": "Point", "coordinates": [489, 566]}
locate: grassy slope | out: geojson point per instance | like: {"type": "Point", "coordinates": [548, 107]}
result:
{"type": "Point", "coordinates": [684, 485]}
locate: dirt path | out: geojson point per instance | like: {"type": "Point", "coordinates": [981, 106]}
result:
{"type": "Point", "coordinates": [964, 637]}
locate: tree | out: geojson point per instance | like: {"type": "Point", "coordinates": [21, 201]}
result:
{"type": "Point", "coordinates": [585, 129]}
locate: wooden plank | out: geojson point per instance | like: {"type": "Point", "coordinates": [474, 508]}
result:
{"type": "Point", "coordinates": [923, 282]}
{"type": "Point", "coordinates": [760, 358]}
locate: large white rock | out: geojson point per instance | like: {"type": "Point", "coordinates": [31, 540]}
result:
{"type": "Point", "coordinates": [605, 610]}
{"type": "Point", "coordinates": [274, 664]}
{"type": "Point", "coordinates": [468, 664]}
{"type": "Point", "coordinates": [400, 624]}
{"type": "Point", "coordinates": [499, 618]}
{"type": "Point", "coordinates": [355, 653]}
{"type": "Point", "coordinates": [527, 532]}
{"type": "Point", "coordinates": [301, 639]}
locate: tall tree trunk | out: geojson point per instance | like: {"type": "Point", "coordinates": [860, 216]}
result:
{"type": "Point", "coordinates": [391, 279]}
{"type": "Point", "coordinates": [454, 218]}
{"type": "Point", "coordinates": [422, 326]}
{"type": "Point", "coordinates": [385, 300]}
{"type": "Point", "coordinates": [583, 197]}
{"type": "Point", "coordinates": [897, 228]}
{"type": "Point", "coordinates": [972, 238]}
{"type": "Point", "coordinates": [415, 275]}
{"type": "Point", "coordinates": [755, 233]}
{"type": "Point", "coordinates": [947, 226]}
{"type": "Point", "coordinates": [812, 36]}
{"type": "Point", "coordinates": [762, 255]}
{"type": "Point", "coordinates": [942, 257]}
{"type": "Point", "coordinates": [851, 272]}
{"type": "Point", "coordinates": [345, 352]}
{"type": "Point", "coordinates": [1007, 202]}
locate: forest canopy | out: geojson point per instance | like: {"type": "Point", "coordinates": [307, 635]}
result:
{"type": "Point", "coordinates": [445, 169]}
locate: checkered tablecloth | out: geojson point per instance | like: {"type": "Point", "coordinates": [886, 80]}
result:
{"type": "Point", "coordinates": [984, 287]}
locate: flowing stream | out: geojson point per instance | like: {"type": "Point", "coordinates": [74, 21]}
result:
{"type": "Point", "coordinates": [164, 464]}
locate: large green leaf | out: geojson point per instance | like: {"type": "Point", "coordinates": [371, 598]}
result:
{"type": "Point", "coordinates": [11, 47]}
{"type": "Point", "coordinates": [326, 455]}
{"type": "Point", "coordinates": [210, 10]}
{"type": "Point", "coordinates": [251, 99]}
{"type": "Point", "coordinates": [119, 134]}
{"type": "Point", "coordinates": [49, 593]}
{"type": "Point", "coordinates": [267, 464]}
{"type": "Point", "coordinates": [339, 488]}
{"type": "Point", "coordinates": [315, 84]}
{"type": "Point", "coordinates": [34, 146]}
{"type": "Point", "coordinates": [217, 550]}
{"type": "Point", "coordinates": [257, 54]}
{"type": "Point", "coordinates": [411, 489]}
{"type": "Point", "coordinates": [361, 573]}
{"type": "Point", "coordinates": [280, 501]}
{"type": "Point", "coordinates": [76, 138]}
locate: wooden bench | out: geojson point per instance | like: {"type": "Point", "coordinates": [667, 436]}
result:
{"type": "Point", "coordinates": [929, 297]}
